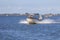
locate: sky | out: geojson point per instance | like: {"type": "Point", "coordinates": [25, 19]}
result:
{"type": "Point", "coordinates": [30, 6]}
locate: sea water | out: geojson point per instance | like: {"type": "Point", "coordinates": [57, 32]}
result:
{"type": "Point", "coordinates": [13, 28]}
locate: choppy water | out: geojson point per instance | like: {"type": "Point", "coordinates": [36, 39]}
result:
{"type": "Point", "coordinates": [12, 29]}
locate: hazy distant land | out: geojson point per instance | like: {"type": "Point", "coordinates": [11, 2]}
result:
{"type": "Point", "coordinates": [27, 14]}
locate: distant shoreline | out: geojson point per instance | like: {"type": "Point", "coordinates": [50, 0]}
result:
{"type": "Point", "coordinates": [26, 14]}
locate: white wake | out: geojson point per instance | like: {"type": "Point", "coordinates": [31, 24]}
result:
{"type": "Point", "coordinates": [45, 21]}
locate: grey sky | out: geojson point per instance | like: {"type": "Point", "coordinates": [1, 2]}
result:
{"type": "Point", "coordinates": [31, 6]}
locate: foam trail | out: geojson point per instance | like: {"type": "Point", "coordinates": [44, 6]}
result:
{"type": "Point", "coordinates": [45, 21]}
{"type": "Point", "coordinates": [23, 22]}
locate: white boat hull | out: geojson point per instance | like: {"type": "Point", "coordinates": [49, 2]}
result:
{"type": "Point", "coordinates": [31, 21]}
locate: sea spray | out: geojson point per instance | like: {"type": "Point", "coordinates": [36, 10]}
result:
{"type": "Point", "coordinates": [45, 21]}
{"type": "Point", "coordinates": [23, 22]}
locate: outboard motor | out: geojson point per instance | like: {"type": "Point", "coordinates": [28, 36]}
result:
{"type": "Point", "coordinates": [40, 18]}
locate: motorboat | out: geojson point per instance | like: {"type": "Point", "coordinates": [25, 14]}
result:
{"type": "Point", "coordinates": [32, 20]}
